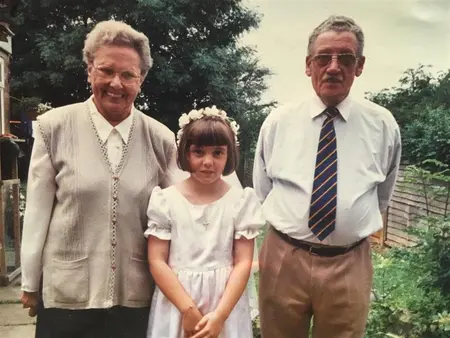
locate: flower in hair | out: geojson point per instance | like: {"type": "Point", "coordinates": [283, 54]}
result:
{"type": "Point", "coordinates": [194, 114]}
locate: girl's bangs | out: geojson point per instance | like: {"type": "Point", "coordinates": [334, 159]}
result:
{"type": "Point", "coordinates": [209, 133]}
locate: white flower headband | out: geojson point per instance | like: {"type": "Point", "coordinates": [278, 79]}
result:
{"type": "Point", "coordinates": [193, 115]}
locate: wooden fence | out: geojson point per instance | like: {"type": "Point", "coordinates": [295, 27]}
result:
{"type": "Point", "coordinates": [406, 204]}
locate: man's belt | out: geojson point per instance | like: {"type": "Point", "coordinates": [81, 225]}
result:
{"type": "Point", "coordinates": [325, 251]}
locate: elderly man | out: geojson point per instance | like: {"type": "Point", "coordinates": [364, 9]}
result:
{"type": "Point", "coordinates": [325, 169]}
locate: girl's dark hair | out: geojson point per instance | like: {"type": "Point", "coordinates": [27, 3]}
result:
{"type": "Point", "coordinates": [208, 131]}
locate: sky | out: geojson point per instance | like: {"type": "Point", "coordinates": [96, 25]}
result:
{"type": "Point", "coordinates": [399, 34]}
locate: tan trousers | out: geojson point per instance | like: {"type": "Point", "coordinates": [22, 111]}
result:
{"type": "Point", "coordinates": [296, 286]}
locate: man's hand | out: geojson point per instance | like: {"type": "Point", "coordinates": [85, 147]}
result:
{"type": "Point", "coordinates": [29, 301]}
{"type": "Point", "coordinates": [209, 326]}
{"type": "Point", "coordinates": [190, 320]}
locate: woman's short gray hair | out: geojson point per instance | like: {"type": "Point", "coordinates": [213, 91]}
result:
{"type": "Point", "coordinates": [117, 33]}
{"type": "Point", "coordinates": [338, 23]}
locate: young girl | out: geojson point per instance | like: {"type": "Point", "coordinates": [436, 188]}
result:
{"type": "Point", "coordinates": [201, 236]}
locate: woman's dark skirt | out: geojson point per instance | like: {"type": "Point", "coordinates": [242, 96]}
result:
{"type": "Point", "coordinates": [116, 322]}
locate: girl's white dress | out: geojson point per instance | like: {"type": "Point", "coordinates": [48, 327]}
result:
{"type": "Point", "coordinates": [201, 254]}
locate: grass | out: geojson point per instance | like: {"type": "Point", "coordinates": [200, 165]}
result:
{"type": "Point", "coordinates": [259, 241]}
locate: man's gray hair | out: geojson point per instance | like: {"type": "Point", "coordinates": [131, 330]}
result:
{"type": "Point", "coordinates": [338, 23]}
{"type": "Point", "coordinates": [117, 33]}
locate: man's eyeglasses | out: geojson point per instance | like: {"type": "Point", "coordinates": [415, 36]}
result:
{"type": "Point", "coordinates": [346, 60]}
{"type": "Point", "coordinates": [126, 77]}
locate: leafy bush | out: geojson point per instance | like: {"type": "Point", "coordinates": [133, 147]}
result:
{"type": "Point", "coordinates": [428, 136]}
{"type": "Point", "coordinates": [421, 106]}
{"type": "Point", "coordinates": [412, 286]}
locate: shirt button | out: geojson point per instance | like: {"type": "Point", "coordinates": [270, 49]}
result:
{"type": "Point", "coordinates": [113, 267]}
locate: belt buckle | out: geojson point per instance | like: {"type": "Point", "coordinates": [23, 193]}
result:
{"type": "Point", "coordinates": [311, 251]}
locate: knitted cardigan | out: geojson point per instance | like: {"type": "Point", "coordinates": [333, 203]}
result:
{"type": "Point", "coordinates": [84, 222]}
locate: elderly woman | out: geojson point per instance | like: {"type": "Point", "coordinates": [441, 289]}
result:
{"type": "Point", "coordinates": [93, 167]}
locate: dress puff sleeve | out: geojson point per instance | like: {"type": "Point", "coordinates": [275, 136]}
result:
{"type": "Point", "coordinates": [158, 214]}
{"type": "Point", "coordinates": [248, 219]}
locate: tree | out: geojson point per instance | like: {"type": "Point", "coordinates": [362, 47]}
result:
{"type": "Point", "coordinates": [418, 89]}
{"type": "Point", "coordinates": [198, 61]}
{"type": "Point", "coordinates": [421, 106]}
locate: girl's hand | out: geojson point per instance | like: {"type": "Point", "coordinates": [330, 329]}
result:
{"type": "Point", "coordinates": [209, 326]}
{"type": "Point", "coordinates": [190, 320]}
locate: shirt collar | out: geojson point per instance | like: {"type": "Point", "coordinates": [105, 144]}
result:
{"type": "Point", "coordinates": [104, 128]}
{"type": "Point", "coordinates": [317, 106]}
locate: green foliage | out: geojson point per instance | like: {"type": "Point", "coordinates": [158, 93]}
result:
{"type": "Point", "coordinates": [256, 328]}
{"type": "Point", "coordinates": [421, 106]}
{"type": "Point", "coordinates": [197, 58]}
{"type": "Point", "coordinates": [25, 105]}
{"type": "Point", "coordinates": [418, 89]}
{"type": "Point", "coordinates": [442, 320]}
{"type": "Point", "coordinates": [412, 286]}
{"type": "Point", "coordinates": [428, 136]}
{"type": "Point", "coordinates": [250, 124]}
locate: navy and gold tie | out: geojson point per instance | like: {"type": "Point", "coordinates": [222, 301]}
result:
{"type": "Point", "coordinates": [322, 213]}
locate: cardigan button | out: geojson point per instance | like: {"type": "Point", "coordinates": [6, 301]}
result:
{"type": "Point", "coordinates": [115, 178]}
{"type": "Point", "coordinates": [113, 243]}
{"type": "Point", "coordinates": [113, 267]}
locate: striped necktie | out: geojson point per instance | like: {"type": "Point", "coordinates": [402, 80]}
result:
{"type": "Point", "coordinates": [322, 213]}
